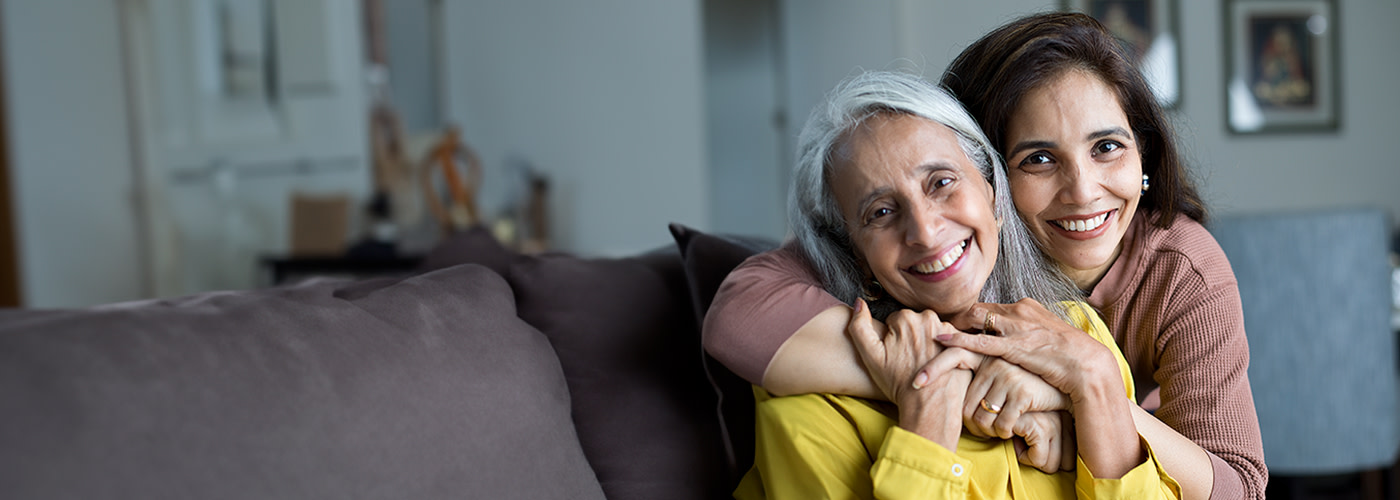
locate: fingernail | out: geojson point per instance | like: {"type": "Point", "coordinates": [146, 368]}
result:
{"type": "Point", "coordinates": [920, 380]}
{"type": "Point", "coordinates": [945, 337]}
{"type": "Point", "coordinates": [860, 305]}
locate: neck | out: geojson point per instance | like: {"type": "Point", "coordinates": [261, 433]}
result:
{"type": "Point", "coordinates": [1087, 279]}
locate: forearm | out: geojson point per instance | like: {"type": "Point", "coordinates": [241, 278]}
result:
{"type": "Point", "coordinates": [1180, 457]}
{"type": "Point", "coordinates": [1106, 433]}
{"type": "Point", "coordinates": [820, 357]}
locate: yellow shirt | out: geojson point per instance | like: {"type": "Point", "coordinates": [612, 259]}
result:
{"type": "Point", "coordinates": [830, 446]}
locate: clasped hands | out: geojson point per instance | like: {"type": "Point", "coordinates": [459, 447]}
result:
{"type": "Point", "coordinates": [941, 377]}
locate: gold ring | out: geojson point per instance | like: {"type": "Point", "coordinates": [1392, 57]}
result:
{"type": "Point", "coordinates": [989, 408]}
{"type": "Point", "coordinates": [989, 324]}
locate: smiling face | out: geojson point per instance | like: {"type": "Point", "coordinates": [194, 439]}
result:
{"type": "Point", "coordinates": [1075, 172]}
{"type": "Point", "coordinates": [918, 212]}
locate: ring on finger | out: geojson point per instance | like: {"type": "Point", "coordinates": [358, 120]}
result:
{"type": "Point", "coordinates": [988, 407]}
{"type": "Point", "coordinates": [989, 324]}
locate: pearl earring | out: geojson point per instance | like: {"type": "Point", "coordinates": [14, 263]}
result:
{"type": "Point", "coordinates": [1144, 184]}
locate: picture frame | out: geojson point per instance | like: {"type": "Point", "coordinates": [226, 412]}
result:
{"type": "Point", "coordinates": [1281, 66]}
{"type": "Point", "coordinates": [1149, 34]}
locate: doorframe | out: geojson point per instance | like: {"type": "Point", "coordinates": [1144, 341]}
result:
{"type": "Point", "coordinates": [9, 258]}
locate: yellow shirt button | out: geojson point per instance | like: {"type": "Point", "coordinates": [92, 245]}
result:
{"type": "Point", "coordinates": [957, 470]}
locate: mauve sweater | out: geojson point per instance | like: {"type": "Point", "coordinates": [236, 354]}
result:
{"type": "Point", "coordinates": [1170, 300]}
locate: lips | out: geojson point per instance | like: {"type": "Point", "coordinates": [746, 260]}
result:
{"type": "Point", "coordinates": [1081, 225]}
{"type": "Point", "coordinates": [942, 262]}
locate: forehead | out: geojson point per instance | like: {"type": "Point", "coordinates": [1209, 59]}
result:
{"type": "Point", "coordinates": [891, 143]}
{"type": "Point", "coordinates": [1074, 93]}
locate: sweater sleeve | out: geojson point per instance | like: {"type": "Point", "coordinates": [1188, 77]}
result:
{"type": "Point", "coordinates": [759, 306]}
{"type": "Point", "coordinates": [1175, 309]}
{"type": "Point", "coordinates": [1203, 364]}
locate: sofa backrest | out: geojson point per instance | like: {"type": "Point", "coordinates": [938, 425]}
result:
{"type": "Point", "coordinates": [423, 387]}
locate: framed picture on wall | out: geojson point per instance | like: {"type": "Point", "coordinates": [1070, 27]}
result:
{"type": "Point", "coordinates": [1147, 30]}
{"type": "Point", "coordinates": [1281, 65]}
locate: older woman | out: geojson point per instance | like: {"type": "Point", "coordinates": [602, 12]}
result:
{"type": "Point", "coordinates": [1096, 176]}
{"type": "Point", "coordinates": [896, 185]}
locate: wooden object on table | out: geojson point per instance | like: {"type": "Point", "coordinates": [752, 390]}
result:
{"type": "Point", "coordinates": [450, 156]}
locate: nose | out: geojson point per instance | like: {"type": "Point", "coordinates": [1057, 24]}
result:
{"type": "Point", "coordinates": [922, 225]}
{"type": "Point", "coordinates": [1081, 183]}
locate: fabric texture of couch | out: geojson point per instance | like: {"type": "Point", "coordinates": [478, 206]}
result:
{"type": "Point", "coordinates": [490, 374]}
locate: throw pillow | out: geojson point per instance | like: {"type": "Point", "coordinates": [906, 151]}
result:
{"type": "Point", "coordinates": [708, 259]}
{"type": "Point", "coordinates": [629, 347]}
{"type": "Point", "coordinates": [424, 387]}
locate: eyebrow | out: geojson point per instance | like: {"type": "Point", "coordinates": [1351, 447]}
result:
{"type": "Point", "coordinates": [864, 203]}
{"type": "Point", "coordinates": [1098, 134]}
{"type": "Point", "coordinates": [1110, 131]}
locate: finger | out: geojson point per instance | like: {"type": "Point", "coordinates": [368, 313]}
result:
{"type": "Point", "coordinates": [1004, 426]}
{"type": "Point", "coordinates": [1054, 455]}
{"type": "Point", "coordinates": [1038, 452]}
{"type": "Point", "coordinates": [981, 344]}
{"type": "Point", "coordinates": [981, 383]}
{"type": "Point", "coordinates": [1069, 449]}
{"type": "Point", "coordinates": [952, 359]}
{"type": "Point", "coordinates": [974, 317]}
{"type": "Point", "coordinates": [862, 329]}
{"type": "Point", "coordinates": [990, 409]}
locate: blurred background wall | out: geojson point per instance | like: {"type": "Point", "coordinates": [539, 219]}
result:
{"type": "Point", "coordinates": [639, 112]}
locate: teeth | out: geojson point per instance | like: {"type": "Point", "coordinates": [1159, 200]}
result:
{"type": "Point", "coordinates": [943, 262]}
{"type": "Point", "coordinates": [1083, 225]}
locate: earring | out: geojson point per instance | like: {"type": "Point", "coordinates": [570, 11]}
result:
{"type": "Point", "coordinates": [1144, 184]}
{"type": "Point", "coordinates": [868, 295]}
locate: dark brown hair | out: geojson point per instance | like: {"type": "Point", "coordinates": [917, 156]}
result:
{"type": "Point", "coordinates": [992, 75]}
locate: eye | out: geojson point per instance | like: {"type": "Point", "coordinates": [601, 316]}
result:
{"type": "Point", "coordinates": [876, 214]}
{"type": "Point", "coordinates": [942, 181]}
{"type": "Point", "coordinates": [1037, 162]}
{"type": "Point", "coordinates": [1106, 147]}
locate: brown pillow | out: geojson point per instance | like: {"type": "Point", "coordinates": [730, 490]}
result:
{"type": "Point", "coordinates": [425, 387]}
{"type": "Point", "coordinates": [708, 259]}
{"type": "Point", "coordinates": [630, 349]}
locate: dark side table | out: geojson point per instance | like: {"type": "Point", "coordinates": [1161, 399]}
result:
{"type": "Point", "coordinates": [281, 270]}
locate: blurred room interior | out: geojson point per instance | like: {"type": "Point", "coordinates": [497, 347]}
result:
{"type": "Point", "coordinates": [155, 148]}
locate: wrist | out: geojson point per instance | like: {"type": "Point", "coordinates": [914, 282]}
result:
{"type": "Point", "coordinates": [935, 411]}
{"type": "Point", "coordinates": [1099, 382]}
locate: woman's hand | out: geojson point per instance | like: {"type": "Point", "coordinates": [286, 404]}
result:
{"type": "Point", "coordinates": [1027, 407]}
{"type": "Point", "coordinates": [1046, 440]}
{"type": "Point", "coordinates": [1011, 389]}
{"type": "Point", "coordinates": [1073, 362]}
{"type": "Point", "coordinates": [1030, 336]}
{"type": "Point", "coordinates": [894, 354]}
{"type": "Point", "coordinates": [929, 405]}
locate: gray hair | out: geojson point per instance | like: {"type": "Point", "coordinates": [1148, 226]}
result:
{"type": "Point", "coordinates": [1022, 269]}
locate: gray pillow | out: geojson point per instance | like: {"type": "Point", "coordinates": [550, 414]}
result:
{"type": "Point", "coordinates": [629, 344]}
{"type": "Point", "coordinates": [425, 387]}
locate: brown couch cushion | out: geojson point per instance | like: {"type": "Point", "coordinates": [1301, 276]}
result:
{"type": "Point", "coordinates": [630, 348]}
{"type": "Point", "coordinates": [425, 387]}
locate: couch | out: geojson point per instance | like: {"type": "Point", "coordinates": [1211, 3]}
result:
{"type": "Point", "coordinates": [488, 374]}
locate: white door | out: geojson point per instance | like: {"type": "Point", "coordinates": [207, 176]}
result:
{"type": "Point", "coordinates": [239, 104]}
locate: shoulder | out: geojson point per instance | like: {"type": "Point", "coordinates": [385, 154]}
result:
{"type": "Point", "coordinates": [785, 262]}
{"type": "Point", "coordinates": [1186, 251]}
